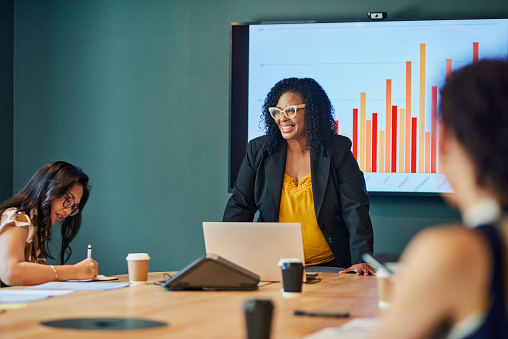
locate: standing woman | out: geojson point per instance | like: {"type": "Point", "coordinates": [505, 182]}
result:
{"type": "Point", "coordinates": [58, 192]}
{"type": "Point", "coordinates": [300, 171]}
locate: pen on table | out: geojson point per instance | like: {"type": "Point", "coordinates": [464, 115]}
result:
{"type": "Point", "coordinates": [89, 252]}
{"type": "Point", "coordinates": [322, 314]}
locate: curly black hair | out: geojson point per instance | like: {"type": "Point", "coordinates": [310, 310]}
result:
{"type": "Point", "coordinates": [474, 106]}
{"type": "Point", "coordinates": [319, 113]}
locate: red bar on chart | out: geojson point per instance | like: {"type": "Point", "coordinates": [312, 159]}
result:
{"type": "Point", "coordinates": [368, 150]}
{"type": "Point", "coordinates": [413, 145]}
{"type": "Point", "coordinates": [374, 142]}
{"type": "Point", "coordinates": [394, 139]}
{"type": "Point", "coordinates": [475, 52]}
{"type": "Point", "coordinates": [336, 126]}
{"type": "Point", "coordinates": [355, 133]}
{"type": "Point", "coordinates": [433, 131]}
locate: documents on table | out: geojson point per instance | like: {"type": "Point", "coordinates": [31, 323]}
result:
{"type": "Point", "coordinates": [359, 328]}
{"type": "Point", "coordinates": [25, 295]}
{"type": "Point", "coordinates": [69, 285]}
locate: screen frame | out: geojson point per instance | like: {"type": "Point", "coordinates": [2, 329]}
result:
{"type": "Point", "coordinates": [238, 91]}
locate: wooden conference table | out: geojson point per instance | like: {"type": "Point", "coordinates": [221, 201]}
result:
{"type": "Point", "coordinates": [195, 314]}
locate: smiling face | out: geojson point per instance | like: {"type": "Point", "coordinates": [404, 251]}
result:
{"type": "Point", "coordinates": [58, 211]}
{"type": "Point", "coordinates": [292, 129]}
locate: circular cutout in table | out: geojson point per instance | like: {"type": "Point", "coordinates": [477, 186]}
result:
{"type": "Point", "coordinates": [104, 323]}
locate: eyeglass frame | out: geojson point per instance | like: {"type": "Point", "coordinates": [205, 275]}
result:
{"type": "Point", "coordinates": [69, 202]}
{"type": "Point", "coordinates": [283, 111]}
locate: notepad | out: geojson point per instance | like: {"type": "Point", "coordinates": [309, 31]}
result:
{"type": "Point", "coordinates": [75, 286]}
{"type": "Point", "coordinates": [100, 277]}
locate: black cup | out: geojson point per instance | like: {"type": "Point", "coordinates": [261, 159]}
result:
{"type": "Point", "coordinates": [258, 315]}
{"type": "Point", "coordinates": [292, 276]}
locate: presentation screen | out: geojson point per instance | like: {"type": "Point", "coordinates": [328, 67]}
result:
{"type": "Point", "coordinates": [382, 77]}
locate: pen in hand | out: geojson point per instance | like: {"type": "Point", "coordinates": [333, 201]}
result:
{"type": "Point", "coordinates": [322, 314]}
{"type": "Point", "coordinates": [89, 252]}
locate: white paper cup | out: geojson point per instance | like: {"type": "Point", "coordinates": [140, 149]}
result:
{"type": "Point", "coordinates": [137, 264]}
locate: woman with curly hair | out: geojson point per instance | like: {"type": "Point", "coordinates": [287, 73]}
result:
{"type": "Point", "coordinates": [454, 281]}
{"type": "Point", "coordinates": [300, 171]}
{"type": "Point", "coordinates": [57, 193]}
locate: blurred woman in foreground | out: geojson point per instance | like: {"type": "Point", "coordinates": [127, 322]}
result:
{"type": "Point", "coordinates": [454, 279]}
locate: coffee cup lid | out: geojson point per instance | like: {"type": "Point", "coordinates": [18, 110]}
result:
{"type": "Point", "coordinates": [138, 256]}
{"type": "Point", "coordinates": [289, 260]}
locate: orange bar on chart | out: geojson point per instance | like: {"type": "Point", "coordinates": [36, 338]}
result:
{"type": "Point", "coordinates": [408, 118]}
{"type": "Point", "coordinates": [448, 67]}
{"type": "Point", "coordinates": [368, 152]}
{"type": "Point", "coordinates": [388, 133]}
{"type": "Point", "coordinates": [394, 139]}
{"type": "Point", "coordinates": [402, 135]}
{"type": "Point", "coordinates": [382, 151]}
{"type": "Point", "coordinates": [427, 152]}
{"type": "Point", "coordinates": [433, 131]}
{"type": "Point", "coordinates": [421, 123]}
{"type": "Point", "coordinates": [362, 130]}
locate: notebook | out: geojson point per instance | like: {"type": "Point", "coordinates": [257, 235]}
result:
{"type": "Point", "coordinates": [255, 246]}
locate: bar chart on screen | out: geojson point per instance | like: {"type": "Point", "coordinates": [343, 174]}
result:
{"type": "Point", "coordinates": [383, 79]}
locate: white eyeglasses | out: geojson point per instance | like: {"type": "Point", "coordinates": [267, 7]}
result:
{"type": "Point", "coordinates": [289, 111]}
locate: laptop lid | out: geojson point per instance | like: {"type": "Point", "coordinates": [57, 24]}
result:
{"type": "Point", "coordinates": [255, 246]}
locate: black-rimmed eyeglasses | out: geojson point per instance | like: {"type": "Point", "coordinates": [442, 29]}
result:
{"type": "Point", "coordinates": [70, 203]}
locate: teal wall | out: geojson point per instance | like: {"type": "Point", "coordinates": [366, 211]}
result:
{"type": "Point", "coordinates": [6, 96]}
{"type": "Point", "coordinates": [136, 92]}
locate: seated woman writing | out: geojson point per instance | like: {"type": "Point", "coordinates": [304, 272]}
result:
{"type": "Point", "coordinates": [454, 280]}
{"type": "Point", "coordinates": [57, 193]}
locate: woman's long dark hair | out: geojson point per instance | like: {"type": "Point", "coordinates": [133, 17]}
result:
{"type": "Point", "coordinates": [49, 183]}
{"type": "Point", "coordinates": [319, 121]}
{"type": "Point", "coordinates": [474, 106]}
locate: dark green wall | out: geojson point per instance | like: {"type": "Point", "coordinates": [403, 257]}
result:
{"type": "Point", "coordinates": [6, 96]}
{"type": "Point", "coordinates": [137, 92]}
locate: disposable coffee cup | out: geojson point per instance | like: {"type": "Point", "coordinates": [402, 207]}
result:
{"type": "Point", "coordinates": [384, 288]}
{"type": "Point", "coordinates": [258, 318]}
{"type": "Point", "coordinates": [292, 275]}
{"type": "Point", "coordinates": [137, 264]}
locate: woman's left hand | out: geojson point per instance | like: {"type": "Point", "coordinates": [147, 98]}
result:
{"type": "Point", "coordinates": [360, 269]}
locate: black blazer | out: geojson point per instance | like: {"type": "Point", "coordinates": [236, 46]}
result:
{"type": "Point", "coordinates": [341, 201]}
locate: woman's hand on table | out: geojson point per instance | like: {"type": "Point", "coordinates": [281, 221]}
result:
{"type": "Point", "coordinates": [360, 269]}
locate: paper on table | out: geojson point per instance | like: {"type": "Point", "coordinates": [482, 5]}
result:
{"type": "Point", "coordinates": [25, 295]}
{"type": "Point", "coordinates": [100, 277]}
{"type": "Point", "coordinates": [68, 285]}
{"type": "Point", "coordinates": [359, 328]}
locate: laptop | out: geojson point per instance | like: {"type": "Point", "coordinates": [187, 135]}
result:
{"type": "Point", "coordinates": [255, 246]}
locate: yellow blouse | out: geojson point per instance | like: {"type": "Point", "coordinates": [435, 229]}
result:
{"type": "Point", "coordinates": [297, 205]}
